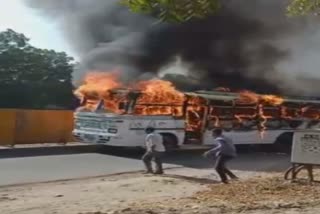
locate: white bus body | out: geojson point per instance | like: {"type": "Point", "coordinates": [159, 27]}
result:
{"type": "Point", "coordinates": [126, 130]}
{"type": "Point", "coordinates": [248, 137]}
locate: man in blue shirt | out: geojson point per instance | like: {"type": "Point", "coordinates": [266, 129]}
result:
{"type": "Point", "coordinates": [224, 152]}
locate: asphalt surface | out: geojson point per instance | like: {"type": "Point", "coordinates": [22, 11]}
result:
{"type": "Point", "coordinates": [50, 164]}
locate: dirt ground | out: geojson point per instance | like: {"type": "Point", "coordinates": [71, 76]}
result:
{"type": "Point", "coordinates": [181, 190]}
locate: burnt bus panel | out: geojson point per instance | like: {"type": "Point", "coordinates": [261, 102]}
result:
{"type": "Point", "coordinates": [222, 111]}
{"type": "Point", "coordinates": [245, 111]}
{"type": "Point", "coordinates": [311, 113]}
{"type": "Point", "coordinates": [227, 124]}
{"type": "Point", "coordinates": [289, 112]}
{"type": "Point", "coordinates": [274, 123]}
{"type": "Point", "coordinates": [245, 124]}
{"type": "Point", "coordinates": [313, 124]}
{"type": "Point", "coordinates": [217, 103]}
{"type": "Point", "coordinates": [272, 112]}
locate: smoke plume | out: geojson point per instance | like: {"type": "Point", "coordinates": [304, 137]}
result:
{"type": "Point", "coordinates": [249, 44]}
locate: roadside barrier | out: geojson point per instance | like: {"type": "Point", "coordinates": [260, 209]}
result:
{"type": "Point", "coordinates": [7, 126]}
{"type": "Point", "coordinates": [35, 126]}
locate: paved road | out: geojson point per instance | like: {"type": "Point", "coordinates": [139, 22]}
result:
{"type": "Point", "coordinates": [45, 168]}
{"type": "Point", "coordinates": [55, 164]}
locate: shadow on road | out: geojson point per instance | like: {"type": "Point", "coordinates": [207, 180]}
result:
{"type": "Point", "coordinates": [247, 160]}
{"type": "Point", "coordinates": [192, 179]}
{"type": "Point", "coordinates": [46, 151]}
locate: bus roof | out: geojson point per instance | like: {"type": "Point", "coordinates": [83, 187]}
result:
{"type": "Point", "coordinates": [211, 96]}
{"type": "Point", "coordinates": [230, 96]}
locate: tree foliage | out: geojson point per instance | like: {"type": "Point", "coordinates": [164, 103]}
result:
{"type": "Point", "coordinates": [304, 7]}
{"type": "Point", "coordinates": [174, 10]}
{"type": "Point", "coordinates": [184, 10]}
{"type": "Point", "coordinates": [31, 77]}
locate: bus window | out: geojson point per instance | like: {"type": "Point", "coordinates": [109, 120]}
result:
{"type": "Point", "coordinates": [313, 124]}
{"type": "Point", "coordinates": [272, 112]}
{"type": "Point", "coordinates": [312, 112]}
{"type": "Point", "coordinates": [245, 112]}
{"type": "Point", "coordinates": [245, 117]}
{"type": "Point", "coordinates": [272, 115]}
{"type": "Point", "coordinates": [223, 112]}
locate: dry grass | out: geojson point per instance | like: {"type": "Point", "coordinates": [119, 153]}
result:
{"type": "Point", "coordinates": [253, 194]}
{"type": "Point", "coordinates": [261, 194]}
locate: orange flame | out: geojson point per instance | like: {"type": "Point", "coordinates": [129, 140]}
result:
{"type": "Point", "coordinates": [96, 86]}
{"type": "Point", "coordinates": [222, 89]}
{"type": "Point", "coordinates": [260, 101]}
{"type": "Point", "coordinates": [159, 97]}
{"type": "Point", "coordinates": [162, 94]}
{"type": "Point", "coordinates": [168, 100]}
{"type": "Point", "coordinates": [272, 100]}
{"type": "Point", "coordinates": [248, 97]}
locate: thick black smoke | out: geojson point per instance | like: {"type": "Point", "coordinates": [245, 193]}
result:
{"type": "Point", "coordinates": [104, 34]}
{"type": "Point", "coordinates": [226, 50]}
{"type": "Point", "coordinates": [249, 44]}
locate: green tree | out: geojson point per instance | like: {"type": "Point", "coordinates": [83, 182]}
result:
{"type": "Point", "coordinates": [31, 77]}
{"type": "Point", "coordinates": [184, 10]}
{"type": "Point", "coordinates": [174, 10]}
{"type": "Point", "coordinates": [304, 7]}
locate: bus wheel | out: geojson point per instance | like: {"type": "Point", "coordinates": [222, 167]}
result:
{"type": "Point", "coordinates": [283, 143]}
{"type": "Point", "coordinates": [170, 142]}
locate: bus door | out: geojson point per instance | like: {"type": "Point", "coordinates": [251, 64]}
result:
{"type": "Point", "coordinates": [196, 110]}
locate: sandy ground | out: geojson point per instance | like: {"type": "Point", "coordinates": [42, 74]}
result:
{"type": "Point", "coordinates": [181, 190]}
{"type": "Point", "coordinates": [95, 194]}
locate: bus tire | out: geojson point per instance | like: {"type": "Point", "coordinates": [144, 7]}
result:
{"type": "Point", "coordinates": [283, 143]}
{"type": "Point", "coordinates": [170, 142]}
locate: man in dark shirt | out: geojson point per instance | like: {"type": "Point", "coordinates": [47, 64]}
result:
{"type": "Point", "coordinates": [224, 152]}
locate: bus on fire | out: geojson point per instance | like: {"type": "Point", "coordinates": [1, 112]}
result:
{"type": "Point", "coordinates": [247, 118]}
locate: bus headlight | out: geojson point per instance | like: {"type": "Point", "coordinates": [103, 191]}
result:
{"type": "Point", "coordinates": [113, 131]}
{"type": "Point", "coordinates": [103, 126]}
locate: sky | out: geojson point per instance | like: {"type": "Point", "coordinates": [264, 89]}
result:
{"type": "Point", "coordinates": [42, 32]}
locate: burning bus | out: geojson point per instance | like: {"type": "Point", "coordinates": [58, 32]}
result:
{"type": "Point", "coordinates": [115, 115]}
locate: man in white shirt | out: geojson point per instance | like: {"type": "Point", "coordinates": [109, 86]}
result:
{"type": "Point", "coordinates": [154, 151]}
